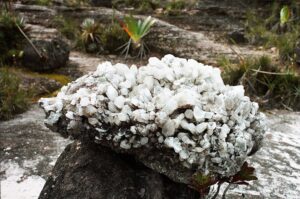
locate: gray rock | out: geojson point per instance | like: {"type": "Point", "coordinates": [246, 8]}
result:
{"type": "Point", "coordinates": [86, 170]}
{"type": "Point", "coordinates": [55, 54]}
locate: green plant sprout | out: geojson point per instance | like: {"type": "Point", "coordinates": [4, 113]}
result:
{"type": "Point", "coordinates": [284, 15]}
{"type": "Point", "coordinates": [137, 30]}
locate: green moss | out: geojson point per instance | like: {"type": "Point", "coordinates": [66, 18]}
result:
{"type": "Point", "coordinates": [13, 99]}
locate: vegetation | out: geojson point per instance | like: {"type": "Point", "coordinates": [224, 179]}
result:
{"type": "Point", "coordinates": [202, 183]}
{"type": "Point", "coordinates": [142, 6]}
{"type": "Point", "coordinates": [13, 99]}
{"type": "Point", "coordinates": [137, 30]}
{"type": "Point", "coordinates": [11, 39]}
{"type": "Point", "coordinates": [280, 29]}
{"type": "Point", "coordinates": [272, 85]}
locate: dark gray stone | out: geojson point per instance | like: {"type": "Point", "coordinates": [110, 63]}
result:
{"type": "Point", "coordinates": [87, 170]}
{"type": "Point", "coordinates": [55, 54]}
{"type": "Point", "coordinates": [101, 3]}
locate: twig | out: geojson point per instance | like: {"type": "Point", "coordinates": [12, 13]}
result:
{"type": "Point", "coordinates": [217, 192]}
{"type": "Point", "coordinates": [269, 73]}
{"type": "Point", "coordinates": [30, 42]}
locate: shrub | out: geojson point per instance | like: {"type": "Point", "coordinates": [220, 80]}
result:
{"type": "Point", "coordinates": [13, 99]}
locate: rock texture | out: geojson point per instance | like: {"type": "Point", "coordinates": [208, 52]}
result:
{"type": "Point", "coordinates": [85, 170]}
{"type": "Point", "coordinates": [54, 54]}
{"type": "Point", "coordinates": [173, 109]}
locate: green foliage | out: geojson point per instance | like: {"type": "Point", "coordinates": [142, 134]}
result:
{"type": "Point", "coordinates": [284, 15]}
{"type": "Point", "coordinates": [137, 30]}
{"type": "Point", "coordinates": [11, 40]}
{"type": "Point", "coordinates": [13, 99]}
{"type": "Point", "coordinates": [274, 86]}
{"type": "Point", "coordinates": [202, 182]}
{"type": "Point", "coordinates": [280, 29]}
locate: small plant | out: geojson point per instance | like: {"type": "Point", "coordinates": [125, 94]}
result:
{"type": "Point", "coordinates": [137, 30]}
{"type": "Point", "coordinates": [202, 183]}
{"type": "Point", "coordinates": [90, 35]}
{"type": "Point", "coordinates": [13, 99]}
{"type": "Point", "coordinates": [284, 15]}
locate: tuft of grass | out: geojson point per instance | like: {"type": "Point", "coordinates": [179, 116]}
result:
{"type": "Point", "coordinates": [113, 37]}
{"type": "Point", "coordinates": [274, 86]}
{"type": "Point", "coordinates": [13, 99]}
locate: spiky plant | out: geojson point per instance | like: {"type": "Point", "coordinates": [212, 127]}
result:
{"type": "Point", "coordinates": [91, 31]}
{"type": "Point", "coordinates": [137, 30]}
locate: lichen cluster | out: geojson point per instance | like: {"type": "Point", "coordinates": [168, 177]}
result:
{"type": "Point", "coordinates": [171, 103]}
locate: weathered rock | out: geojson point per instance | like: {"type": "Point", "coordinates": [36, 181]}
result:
{"type": "Point", "coordinates": [173, 109]}
{"type": "Point", "coordinates": [54, 54]}
{"type": "Point", "coordinates": [85, 170]}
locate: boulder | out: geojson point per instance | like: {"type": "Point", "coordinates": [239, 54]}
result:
{"type": "Point", "coordinates": [174, 115]}
{"type": "Point", "coordinates": [87, 170]}
{"type": "Point", "coordinates": [54, 54]}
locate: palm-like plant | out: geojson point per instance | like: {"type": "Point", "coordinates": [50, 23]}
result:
{"type": "Point", "coordinates": [137, 30]}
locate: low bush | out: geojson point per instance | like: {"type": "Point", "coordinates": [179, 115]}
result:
{"type": "Point", "coordinates": [13, 99]}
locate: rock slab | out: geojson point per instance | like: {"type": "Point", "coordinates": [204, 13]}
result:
{"type": "Point", "coordinates": [86, 170]}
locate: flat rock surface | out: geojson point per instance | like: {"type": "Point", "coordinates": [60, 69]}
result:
{"type": "Point", "coordinates": [28, 151]}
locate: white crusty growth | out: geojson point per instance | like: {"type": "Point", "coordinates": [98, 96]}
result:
{"type": "Point", "coordinates": [175, 103]}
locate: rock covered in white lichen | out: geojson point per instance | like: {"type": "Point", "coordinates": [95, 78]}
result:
{"type": "Point", "coordinates": [171, 103]}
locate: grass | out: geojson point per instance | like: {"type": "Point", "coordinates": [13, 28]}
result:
{"type": "Point", "coordinates": [270, 84]}
{"type": "Point", "coordinates": [13, 99]}
{"type": "Point", "coordinates": [264, 29]}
